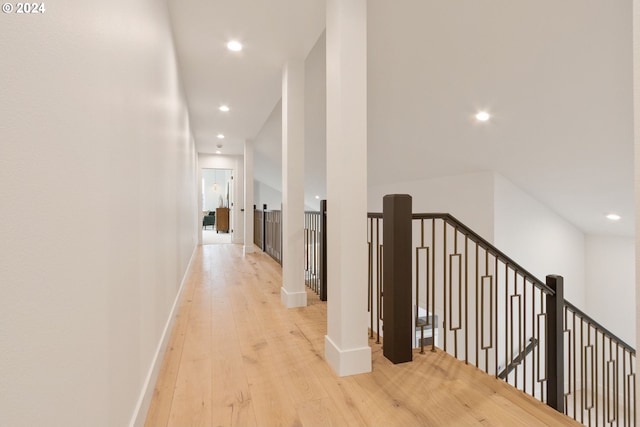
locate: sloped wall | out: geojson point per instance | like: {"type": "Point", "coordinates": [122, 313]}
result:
{"type": "Point", "coordinates": [539, 239]}
{"type": "Point", "coordinates": [610, 280]}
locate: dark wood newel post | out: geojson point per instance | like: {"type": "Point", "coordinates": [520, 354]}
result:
{"type": "Point", "coordinates": [555, 344]}
{"type": "Point", "coordinates": [264, 227]}
{"type": "Point", "coordinates": [323, 250]}
{"type": "Point", "coordinates": [396, 278]}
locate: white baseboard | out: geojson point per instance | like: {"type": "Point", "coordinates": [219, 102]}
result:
{"type": "Point", "coordinates": [293, 299]}
{"type": "Point", "coordinates": [144, 401]}
{"type": "Point", "coordinates": [352, 361]}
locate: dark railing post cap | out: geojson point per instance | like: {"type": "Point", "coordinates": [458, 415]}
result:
{"type": "Point", "coordinates": [398, 196]}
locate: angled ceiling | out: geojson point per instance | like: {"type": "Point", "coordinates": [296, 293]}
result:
{"type": "Point", "coordinates": [249, 82]}
{"type": "Point", "coordinates": [556, 76]}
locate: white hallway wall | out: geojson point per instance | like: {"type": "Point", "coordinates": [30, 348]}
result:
{"type": "Point", "coordinates": [97, 178]}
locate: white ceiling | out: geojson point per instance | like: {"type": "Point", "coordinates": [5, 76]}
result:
{"type": "Point", "coordinates": [557, 77]}
{"type": "Point", "coordinates": [249, 82]}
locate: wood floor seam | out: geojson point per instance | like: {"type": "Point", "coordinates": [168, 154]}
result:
{"type": "Point", "coordinates": [238, 357]}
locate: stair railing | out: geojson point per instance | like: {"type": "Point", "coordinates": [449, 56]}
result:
{"type": "Point", "coordinates": [315, 250]}
{"type": "Point", "coordinates": [258, 230]}
{"type": "Point", "coordinates": [519, 358]}
{"type": "Point", "coordinates": [445, 282]}
{"type": "Point", "coordinates": [273, 234]}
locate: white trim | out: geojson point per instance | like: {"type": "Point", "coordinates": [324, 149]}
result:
{"type": "Point", "coordinates": [293, 299]}
{"type": "Point", "coordinates": [144, 401]}
{"type": "Point", "coordinates": [353, 361]}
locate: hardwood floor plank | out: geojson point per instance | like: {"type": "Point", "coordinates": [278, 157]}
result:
{"type": "Point", "coordinates": [320, 413]}
{"type": "Point", "coordinates": [237, 357]}
{"type": "Point", "coordinates": [271, 406]}
{"type": "Point", "coordinates": [160, 406]}
{"type": "Point", "coordinates": [231, 399]}
{"type": "Point", "coordinates": [191, 405]}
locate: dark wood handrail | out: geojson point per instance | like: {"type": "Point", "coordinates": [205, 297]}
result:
{"type": "Point", "coordinates": [584, 316]}
{"type": "Point", "coordinates": [488, 247]}
{"type": "Point", "coordinates": [484, 243]}
{"type": "Point", "coordinates": [507, 260]}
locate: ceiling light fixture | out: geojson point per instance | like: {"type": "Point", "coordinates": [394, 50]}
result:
{"type": "Point", "coordinates": [218, 152]}
{"type": "Point", "coordinates": [613, 217]}
{"type": "Point", "coordinates": [223, 108]}
{"type": "Point", "coordinates": [234, 46]}
{"type": "Point", "coordinates": [317, 197]}
{"type": "Point", "coordinates": [482, 116]}
{"type": "Point", "coordinates": [220, 136]}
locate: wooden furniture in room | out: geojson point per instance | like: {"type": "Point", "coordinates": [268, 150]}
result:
{"type": "Point", "coordinates": [222, 220]}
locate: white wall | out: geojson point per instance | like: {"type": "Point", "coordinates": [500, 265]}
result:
{"type": "Point", "coordinates": [98, 179]}
{"type": "Point", "coordinates": [315, 132]}
{"type": "Point", "coordinates": [262, 193]}
{"type": "Point", "coordinates": [268, 142]}
{"type": "Point", "coordinates": [267, 167]}
{"type": "Point", "coordinates": [636, 163]}
{"type": "Point", "coordinates": [539, 240]}
{"type": "Point", "coordinates": [468, 197]}
{"type": "Point", "coordinates": [236, 165]}
{"type": "Point", "coordinates": [610, 278]}
{"type": "Point", "coordinates": [598, 271]}
{"type": "Point", "coordinates": [433, 65]}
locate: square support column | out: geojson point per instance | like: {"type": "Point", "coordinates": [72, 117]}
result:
{"type": "Point", "coordinates": [248, 197]}
{"type": "Point", "coordinates": [346, 343]}
{"type": "Point", "coordinates": [293, 292]}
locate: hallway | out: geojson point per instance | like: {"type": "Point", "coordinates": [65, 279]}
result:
{"type": "Point", "coordinates": [237, 357]}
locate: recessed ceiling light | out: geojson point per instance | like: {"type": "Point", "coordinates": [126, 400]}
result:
{"type": "Point", "coordinates": [613, 217]}
{"type": "Point", "coordinates": [482, 116]}
{"type": "Point", "coordinates": [234, 46]}
{"type": "Point", "coordinates": [218, 152]}
{"type": "Point", "coordinates": [220, 136]}
{"type": "Point", "coordinates": [224, 108]}
{"type": "Point", "coordinates": [317, 197]}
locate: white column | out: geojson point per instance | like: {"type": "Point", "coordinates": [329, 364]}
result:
{"type": "Point", "coordinates": [636, 125]}
{"type": "Point", "coordinates": [236, 218]}
{"type": "Point", "coordinates": [293, 293]}
{"type": "Point", "coordinates": [346, 344]}
{"type": "Point", "coordinates": [248, 196]}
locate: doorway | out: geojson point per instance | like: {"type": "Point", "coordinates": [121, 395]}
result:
{"type": "Point", "coordinates": [217, 200]}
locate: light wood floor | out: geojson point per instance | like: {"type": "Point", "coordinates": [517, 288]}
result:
{"type": "Point", "coordinates": [237, 357]}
